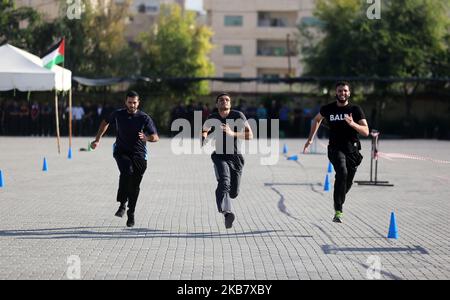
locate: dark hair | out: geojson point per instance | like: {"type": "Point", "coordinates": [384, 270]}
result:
{"type": "Point", "coordinates": [132, 94]}
{"type": "Point", "coordinates": [343, 83]}
{"type": "Point", "coordinates": [222, 94]}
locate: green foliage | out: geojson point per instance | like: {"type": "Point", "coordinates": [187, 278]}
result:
{"type": "Point", "coordinates": [95, 43]}
{"type": "Point", "coordinates": [177, 47]}
{"type": "Point", "coordinates": [17, 24]}
{"type": "Point", "coordinates": [410, 39]}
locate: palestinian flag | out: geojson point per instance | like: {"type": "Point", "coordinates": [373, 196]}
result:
{"type": "Point", "coordinates": [54, 56]}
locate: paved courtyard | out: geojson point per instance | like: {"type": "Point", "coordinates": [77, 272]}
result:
{"type": "Point", "coordinates": [56, 221]}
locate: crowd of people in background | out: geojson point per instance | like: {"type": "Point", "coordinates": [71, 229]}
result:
{"type": "Point", "coordinates": [33, 118]}
{"type": "Point", "coordinates": [293, 121]}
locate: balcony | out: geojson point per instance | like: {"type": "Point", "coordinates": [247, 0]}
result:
{"type": "Point", "coordinates": [277, 19]}
{"type": "Point", "coordinates": [271, 51]}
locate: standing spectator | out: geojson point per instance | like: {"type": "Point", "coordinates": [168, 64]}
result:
{"type": "Point", "coordinates": [35, 118]}
{"type": "Point", "coordinates": [261, 114]}
{"type": "Point", "coordinates": [77, 115]}
{"type": "Point", "coordinates": [46, 119]}
{"type": "Point", "coordinates": [24, 119]}
{"type": "Point", "coordinates": [178, 112]}
{"type": "Point", "coordinates": [88, 120]}
{"type": "Point", "coordinates": [2, 117]}
{"type": "Point", "coordinates": [205, 112]}
{"type": "Point", "coordinates": [284, 121]}
{"type": "Point", "coordinates": [297, 127]}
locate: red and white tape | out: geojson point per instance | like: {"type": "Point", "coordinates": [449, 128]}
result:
{"type": "Point", "coordinates": [411, 156]}
{"type": "Point", "coordinates": [392, 156]}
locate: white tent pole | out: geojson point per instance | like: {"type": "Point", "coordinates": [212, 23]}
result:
{"type": "Point", "coordinates": [70, 118]}
{"type": "Point", "coordinates": [57, 121]}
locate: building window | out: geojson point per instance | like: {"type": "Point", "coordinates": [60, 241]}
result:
{"type": "Point", "coordinates": [275, 48]}
{"type": "Point", "coordinates": [148, 8]}
{"type": "Point", "coordinates": [231, 75]}
{"type": "Point", "coordinates": [233, 21]}
{"type": "Point", "coordinates": [270, 76]}
{"type": "Point", "coordinates": [312, 21]}
{"type": "Point", "coordinates": [232, 50]}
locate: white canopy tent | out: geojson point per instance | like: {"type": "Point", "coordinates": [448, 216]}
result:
{"type": "Point", "coordinates": [23, 71]}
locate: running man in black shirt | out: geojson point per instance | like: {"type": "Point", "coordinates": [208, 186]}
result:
{"type": "Point", "coordinates": [346, 121]}
{"type": "Point", "coordinates": [134, 128]}
{"type": "Point", "coordinates": [227, 126]}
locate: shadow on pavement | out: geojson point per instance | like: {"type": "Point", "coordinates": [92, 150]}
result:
{"type": "Point", "coordinates": [330, 249]}
{"type": "Point", "coordinates": [120, 233]}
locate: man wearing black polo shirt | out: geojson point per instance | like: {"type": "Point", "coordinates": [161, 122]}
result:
{"type": "Point", "coordinates": [134, 128]}
{"type": "Point", "coordinates": [227, 126]}
{"type": "Point", "coordinates": [346, 121]}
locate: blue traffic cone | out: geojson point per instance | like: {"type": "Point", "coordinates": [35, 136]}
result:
{"type": "Point", "coordinates": [393, 230]}
{"type": "Point", "coordinates": [326, 186]}
{"type": "Point", "coordinates": [293, 157]}
{"type": "Point", "coordinates": [45, 167]}
{"type": "Point", "coordinates": [69, 156]}
{"type": "Point", "coordinates": [285, 149]}
{"type": "Point", "coordinates": [1, 179]}
{"type": "Point", "coordinates": [330, 167]}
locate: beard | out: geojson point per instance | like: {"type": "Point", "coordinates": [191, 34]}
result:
{"type": "Point", "coordinates": [342, 100]}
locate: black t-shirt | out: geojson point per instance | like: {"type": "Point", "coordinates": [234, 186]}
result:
{"type": "Point", "coordinates": [226, 144]}
{"type": "Point", "coordinates": [341, 134]}
{"type": "Point", "coordinates": [128, 127]}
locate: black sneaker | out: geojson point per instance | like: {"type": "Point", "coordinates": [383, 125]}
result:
{"type": "Point", "coordinates": [229, 218]}
{"type": "Point", "coordinates": [130, 221]}
{"type": "Point", "coordinates": [337, 219]}
{"type": "Point", "coordinates": [121, 211]}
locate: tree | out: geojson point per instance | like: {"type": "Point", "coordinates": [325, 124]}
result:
{"type": "Point", "coordinates": [403, 43]}
{"type": "Point", "coordinates": [105, 47]}
{"type": "Point", "coordinates": [410, 40]}
{"type": "Point", "coordinates": [177, 47]}
{"type": "Point", "coordinates": [17, 24]}
{"type": "Point", "coordinates": [95, 43]}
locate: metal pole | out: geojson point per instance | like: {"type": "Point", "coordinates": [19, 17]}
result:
{"type": "Point", "coordinates": [70, 118]}
{"type": "Point", "coordinates": [57, 122]}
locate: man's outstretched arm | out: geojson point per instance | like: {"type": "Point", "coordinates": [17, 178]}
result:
{"type": "Point", "coordinates": [101, 131]}
{"type": "Point", "coordinates": [315, 126]}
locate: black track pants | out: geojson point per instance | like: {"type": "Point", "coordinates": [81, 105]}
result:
{"type": "Point", "coordinates": [132, 169]}
{"type": "Point", "coordinates": [345, 165]}
{"type": "Point", "coordinates": [228, 169]}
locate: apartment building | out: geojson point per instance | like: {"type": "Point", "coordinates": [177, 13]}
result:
{"type": "Point", "coordinates": [143, 13]}
{"type": "Point", "coordinates": [256, 38]}
{"type": "Point", "coordinates": [50, 9]}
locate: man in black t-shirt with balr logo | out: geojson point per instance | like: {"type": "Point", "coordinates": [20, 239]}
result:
{"type": "Point", "coordinates": [346, 121]}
